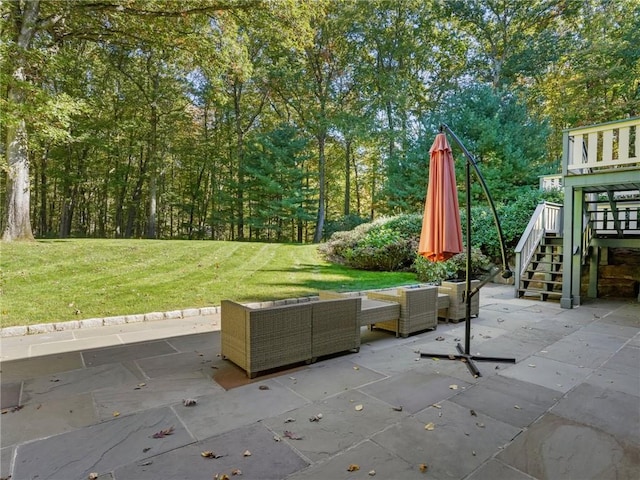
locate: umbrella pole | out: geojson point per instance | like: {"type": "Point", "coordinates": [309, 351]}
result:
{"type": "Point", "coordinates": [464, 355]}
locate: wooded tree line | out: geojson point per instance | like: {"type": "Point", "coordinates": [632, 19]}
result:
{"type": "Point", "coordinates": [270, 119]}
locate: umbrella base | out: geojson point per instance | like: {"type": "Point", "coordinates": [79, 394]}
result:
{"type": "Point", "coordinates": [468, 359]}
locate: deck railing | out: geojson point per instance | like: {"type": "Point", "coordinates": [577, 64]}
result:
{"type": "Point", "coordinates": [602, 147]}
{"type": "Point", "coordinates": [547, 218]}
{"type": "Point", "coordinates": [624, 221]}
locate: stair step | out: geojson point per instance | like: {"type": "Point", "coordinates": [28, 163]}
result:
{"type": "Point", "coordinates": [537, 280]}
{"type": "Point", "coordinates": [552, 241]}
{"type": "Point", "coordinates": [542, 294]}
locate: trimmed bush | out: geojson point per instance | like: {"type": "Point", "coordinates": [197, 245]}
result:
{"type": "Point", "coordinates": [386, 244]}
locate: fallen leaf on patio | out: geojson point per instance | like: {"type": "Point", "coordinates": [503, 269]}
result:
{"type": "Point", "coordinates": [353, 468]}
{"type": "Point", "coordinates": [210, 454]}
{"type": "Point", "coordinates": [142, 385]}
{"type": "Point", "coordinates": [398, 408]}
{"type": "Point", "coordinates": [236, 471]}
{"type": "Point", "coordinates": [473, 413]}
{"type": "Point", "coordinates": [289, 420]}
{"type": "Point", "coordinates": [246, 453]}
{"type": "Point", "coordinates": [223, 476]}
{"type": "Point", "coordinates": [54, 380]}
{"type": "Point", "coordinates": [473, 452]}
{"type": "Point", "coordinates": [452, 357]}
{"type": "Point", "coordinates": [480, 425]}
{"type": "Point", "coordinates": [291, 435]}
{"type": "Point", "coordinates": [532, 365]}
{"type": "Point", "coordinates": [440, 338]}
{"type": "Point", "coordinates": [277, 438]}
{"type": "Point", "coordinates": [116, 414]}
{"type": "Point", "coordinates": [500, 320]}
{"type": "Point", "coordinates": [93, 476]}
{"type": "Point", "coordinates": [163, 433]}
{"type": "Point", "coordinates": [359, 407]}
{"type": "Point", "coordinates": [453, 387]}
{"type": "Point", "coordinates": [316, 418]}
{"type": "Point", "coordinates": [423, 467]}
{"type": "Point", "coordinates": [356, 368]}
{"type": "Point", "coordinates": [146, 449]}
{"type": "Point", "coordinates": [517, 407]}
{"type": "Point", "coordinates": [264, 387]}
{"type": "Point", "coordinates": [145, 464]}
{"type": "Point", "coordinates": [189, 402]}
{"type": "Point", "coordinates": [430, 426]}
{"type": "Point", "coordinates": [372, 473]}
{"type": "Point", "coordinates": [435, 405]}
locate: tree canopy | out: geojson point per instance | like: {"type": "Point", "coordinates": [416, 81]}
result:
{"type": "Point", "coordinates": [265, 119]}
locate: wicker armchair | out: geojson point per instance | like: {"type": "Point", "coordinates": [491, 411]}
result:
{"type": "Point", "coordinates": [456, 310]}
{"type": "Point", "coordinates": [418, 307]}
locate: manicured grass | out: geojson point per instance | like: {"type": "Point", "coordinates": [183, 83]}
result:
{"type": "Point", "coordinates": [61, 280]}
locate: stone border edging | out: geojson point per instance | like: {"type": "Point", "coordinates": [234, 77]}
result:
{"type": "Point", "coordinates": [137, 318]}
{"type": "Point", "coordinates": [99, 322]}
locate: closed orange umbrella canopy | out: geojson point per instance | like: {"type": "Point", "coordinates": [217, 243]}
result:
{"type": "Point", "coordinates": [441, 236]}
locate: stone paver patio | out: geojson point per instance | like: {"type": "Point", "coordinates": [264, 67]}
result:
{"type": "Point", "coordinates": [97, 401]}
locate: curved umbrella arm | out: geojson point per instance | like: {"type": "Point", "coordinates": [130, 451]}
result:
{"type": "Point", "coordinates": [506, 271]}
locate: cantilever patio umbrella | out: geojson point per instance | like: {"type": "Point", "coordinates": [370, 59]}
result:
{"type": "Point", "coordinates": [441, 236]}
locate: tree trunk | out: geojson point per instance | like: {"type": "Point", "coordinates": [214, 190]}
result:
{"type": "Point", "coordinates": [317, 237]}
{"type": "Point", "coordinates": [357, 182]}
{"type": "Point", "coordinates": [42, 220]}
{"type": "Point", "coordinates": [347, 175]}
{"type": "Point", "coordinates": [18, 209]}
{"type": "Point", "coordinates": [237, 88]}
{"type": "Point", "coordinates": [153, 206]}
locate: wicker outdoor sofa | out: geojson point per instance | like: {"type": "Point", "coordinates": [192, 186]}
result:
{"type": "Point", "coordinates": [260, 339]}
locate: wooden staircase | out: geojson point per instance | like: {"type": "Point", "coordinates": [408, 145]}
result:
{"type": "Point", "coordinates": [543, 276]}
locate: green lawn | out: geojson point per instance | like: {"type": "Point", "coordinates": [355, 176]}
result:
{"type": "Point", "coordinates": [60, 280]}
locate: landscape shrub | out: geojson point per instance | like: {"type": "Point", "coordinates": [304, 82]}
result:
{"type": "Point", "coordinates": [386, 244]}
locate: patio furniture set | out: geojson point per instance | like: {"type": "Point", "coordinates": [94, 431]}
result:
{"type": "Point", "coordinates": [259, 338]}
